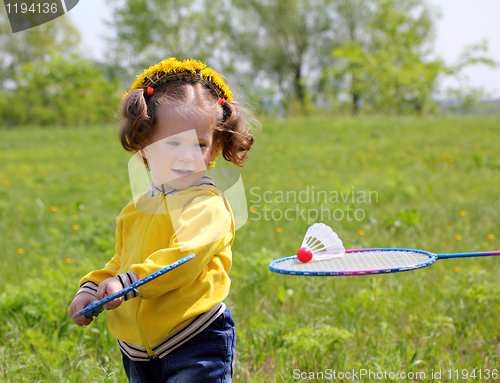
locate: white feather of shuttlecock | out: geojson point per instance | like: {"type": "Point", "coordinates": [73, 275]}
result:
{"type": "Point", "coordinates": [323, 242]}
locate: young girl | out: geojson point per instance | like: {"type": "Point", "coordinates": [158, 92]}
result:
{"type": "Point", "coordinates": [179, 116]}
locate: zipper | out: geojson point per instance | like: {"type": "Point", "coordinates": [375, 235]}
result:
{"type": "Point", "coordinates": [139, 317]}
{"type": "Point", "coordinates": [141, 332]}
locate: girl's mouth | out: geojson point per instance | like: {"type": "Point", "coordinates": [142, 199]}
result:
{"type": "Point", "coordinates": [183, 173]}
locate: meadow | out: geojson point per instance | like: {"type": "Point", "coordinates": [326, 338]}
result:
{"type": "Point", "coordinates": [428, 183]}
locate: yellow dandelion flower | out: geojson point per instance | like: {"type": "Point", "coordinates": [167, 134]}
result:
{"type": "Point", "coordinates": [491, 236]}
{"type": "Point", "coordinates": [462, 213]}
{"type": "Point", "coordinates": [253, 209]}
{"type": "Point", "coordinates": [68, 260]}
{"type": "Point", "coordinates": [361, 232]}
{"type": "Point", "coordinates": [20, 251]}
{"type": "Point", "coordinates": [75, 227]}
{"type": "Point", "coordinates": [278, 230]}
{"type": "Point", "coordinates": [6, 183]}
{"type": "Point", "coordinates": [252, 178]}
{"type": "Point", "coordinates": [53, 209]}
{"type": "Point", "coordinates": [458, 237]}
{"type": "Point", "coordinates": [10, 234]}
{"type": "Point", "coordinates": [456, 269]}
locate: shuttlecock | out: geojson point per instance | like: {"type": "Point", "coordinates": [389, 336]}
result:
{"type": "Point", "coordinates": [320, 242]}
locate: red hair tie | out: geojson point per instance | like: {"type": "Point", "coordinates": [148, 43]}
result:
{"type": "Point", "coordinates": [149, 91]}
{"type": "Point", "coordinates": [222, 101]}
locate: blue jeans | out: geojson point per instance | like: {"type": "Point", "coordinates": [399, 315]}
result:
{"type": "Point", "coordinates": [208, 357]}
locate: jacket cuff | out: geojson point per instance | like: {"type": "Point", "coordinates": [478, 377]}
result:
{"type": "Point", "coordinates": [126, 280]}
{"type": "Point", "coordinates": [88, 287]}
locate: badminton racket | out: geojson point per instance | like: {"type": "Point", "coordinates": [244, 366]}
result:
{"type": "Point", "coordinates": [97, 307]}
{"type": "Point", "coordinates": [367, 261]}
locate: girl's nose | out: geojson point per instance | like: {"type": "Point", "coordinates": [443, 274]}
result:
{"type": "Point", "coordinates": [187, 155]}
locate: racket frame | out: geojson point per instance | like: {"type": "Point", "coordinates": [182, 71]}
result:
{"type": "Point", "coordinates": [97, 307]}
{"type": "Point", "coordinates": [432, 258]}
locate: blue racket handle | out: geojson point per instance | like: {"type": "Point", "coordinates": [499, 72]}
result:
{"type": "Point", "coordinates": [97, 307]}
{"type": "Point", "coordinates": [465, 255]}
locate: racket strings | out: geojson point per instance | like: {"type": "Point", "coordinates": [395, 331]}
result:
{"type": "Point", "coordinates": [358, 262]}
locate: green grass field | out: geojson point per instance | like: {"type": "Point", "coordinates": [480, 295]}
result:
{"type": "Point", "coordinates": [428, 183]}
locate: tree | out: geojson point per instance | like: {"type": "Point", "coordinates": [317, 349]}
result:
{"type": "Point", "coordinates": [354, 18]}
{"type": "Point", "coordinates": [466, 97]}
{"type": "Point", "coordinates": [389, 69]}
{"type": "Point", "coordinates": [60, 91]}
{"type": "Point", "coordinates": [284, 44]}
{"type": "Point", "coordinates": [32, 45]}
{"type": "Point", "coordinates": [148, 31]}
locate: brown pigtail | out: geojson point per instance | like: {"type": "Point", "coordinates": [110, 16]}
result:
{"type": "Point", "coordinates": [234, 135]}
{"type": "Point", "coordinates": [138, 120]}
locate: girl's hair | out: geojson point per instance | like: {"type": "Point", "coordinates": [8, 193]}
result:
{"type": "Point", "coordinates": [232, 134]}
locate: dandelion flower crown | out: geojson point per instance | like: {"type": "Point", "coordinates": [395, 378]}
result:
{"type": "Point", "coordinates": [188, 70]}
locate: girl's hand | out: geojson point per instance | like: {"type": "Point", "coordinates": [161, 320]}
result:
{"type": "Point", "coordinates": [81, 301]}
{"type": "Point", "coordinates": [108, 287]}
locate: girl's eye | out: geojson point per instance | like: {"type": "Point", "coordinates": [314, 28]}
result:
{"type": "Point", "coordinates": [201, 145]}
{"type": "Point", "coordinates": [173, 143]}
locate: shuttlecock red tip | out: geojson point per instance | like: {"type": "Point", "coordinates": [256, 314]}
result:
{"type": "Point", "coordinates": [304, 254]}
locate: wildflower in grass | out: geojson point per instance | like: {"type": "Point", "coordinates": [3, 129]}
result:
{"type": "Point", "coordinates": [253, 209]}
{"type": "Point", "coordinates": [10, 234]}
{"type": "Point", "coordinates": [278, 230]}
{"type": "Point", "coordinates": [252, 178]}
{"type": "Point", "coordinates": [20, 251]}
{"type": "Point", "coordinates": [53, 209]}
{"type": "Point", "coordinates": [74, 217]}
{"type": "Point", "coordinates": [6, 183]}
{"type": "Point", "coordinates": [75, 227]}
{"type": "Point", "coordinates": [456, 269]}
{"type": "Point", "coordinates": [458, 237]}
{"type": "Point", "coordinates": [462, 213]}
{"type": "Point", "coordinates": [361, 232]}
{"type": "Point", "coordinates": [68, 261]}
{"type": "Point", "coordinates": [491, 236]}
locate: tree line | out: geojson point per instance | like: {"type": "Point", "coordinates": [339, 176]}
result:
{"type": "Point", "coordinates": [285, 56]}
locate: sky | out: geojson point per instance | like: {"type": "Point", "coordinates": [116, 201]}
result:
{"type": "Point", "coordinates": [462, 22]}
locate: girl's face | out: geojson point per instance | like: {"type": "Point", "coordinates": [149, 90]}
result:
{"type": "Point", "coordinates": [181, 149]}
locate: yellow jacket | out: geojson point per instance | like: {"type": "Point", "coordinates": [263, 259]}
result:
{"type": "Point", "coordinates": [196, 220]}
